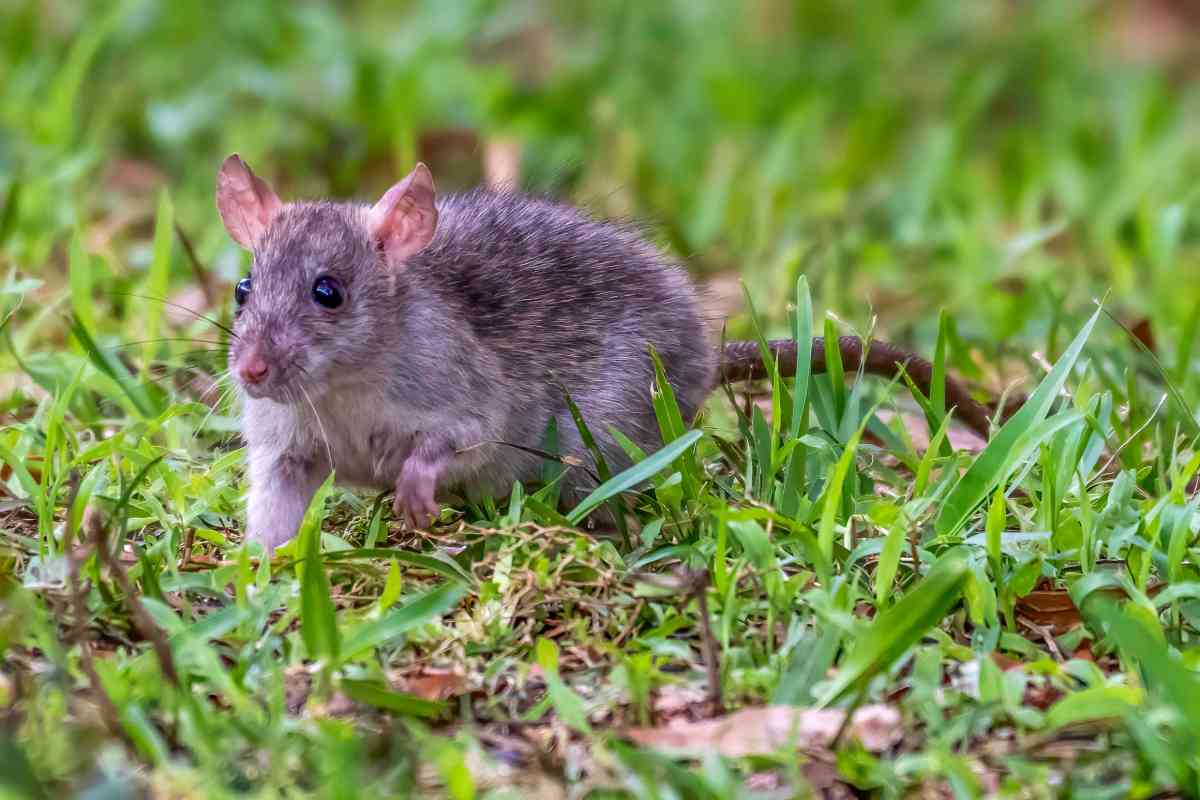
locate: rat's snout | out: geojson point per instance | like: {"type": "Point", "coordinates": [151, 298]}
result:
{"type": "Point", "coordinates": [252, 368]}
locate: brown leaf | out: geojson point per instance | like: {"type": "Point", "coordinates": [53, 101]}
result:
{"type": "Point", "coordinates": [1052, 608]}
{"type": "Point", "coordinates": [1042, 697]}
{"type": "Point", "coordinates": [757, 731]}
{"type": "Point", "coordinates": [432, 684]}
{"type": "Point", "coordinates": [1141, 329]}
{"type": "Point", "coordinates": [1004, 662]}
{"type": "Point", "coordinates": [674, 699]}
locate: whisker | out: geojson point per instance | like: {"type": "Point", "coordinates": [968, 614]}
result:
{"type": "Point", "coordinates": [320, 425]}
{"type": "Point", "coordinates": [195, 314]}
{"type": "Point", "coordinates": [164, 339]}
{"type": "Point", "coordinates": [211, 411]}
{"type": "Point", "coordinates": [179, 361]}
{"type": "Point", "coordinates": [217, 381]}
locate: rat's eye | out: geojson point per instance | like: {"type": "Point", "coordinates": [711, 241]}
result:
{"type": "Point", "coordinates": [326, 292]}
{"type": "Point", "coordinates": [241, 291]}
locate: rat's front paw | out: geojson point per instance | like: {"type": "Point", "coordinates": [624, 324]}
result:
{"type": "Point", "coordinates": [415, 494]}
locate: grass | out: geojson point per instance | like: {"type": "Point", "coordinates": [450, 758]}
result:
{"type": "Point", "coordinates": [859, 597]}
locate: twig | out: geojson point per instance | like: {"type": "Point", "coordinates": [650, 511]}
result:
{"type": "Point", "coordinates": [1046, 632]}
{"type": "Point", "coordinates": [108, 709]}
{"type": "Point", "coordinates": [202, 276]}
{"type": "Point", "coordinates": [137, 612]}
{"type": "Point", "coordinates": [699, 588]}
{"type": "Point", "coordinates": [631, 624]}
{"type": "Point", "coordinates": [189, 540]}
{"type": "Point", "coordinates": [847, 721]}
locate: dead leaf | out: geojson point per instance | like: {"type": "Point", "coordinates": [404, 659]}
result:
{"type": "Point", "coordinates": [296, 686]}
{"type": "Point", "coordinates": [1004, 662]}
{"type": "Point", "coordinates": [1042, 697]}
{"type": "Point", "coordinates": [1054, 609]}
{"type": "Point", "coordinates": [1142, 330]}
{"type": "Point", "coordinates": [432, 684]}
{"type": "Point", "coordinates": [674, 699]}
{"type": "Point", "coordinates": [758, 731]}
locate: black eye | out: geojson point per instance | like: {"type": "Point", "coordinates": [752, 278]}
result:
{"type": "Point", "coordinates": [241, 291]}
{"type": "Point", "coordinates": [326, 292]}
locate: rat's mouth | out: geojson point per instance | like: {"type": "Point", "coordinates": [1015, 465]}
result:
{"type": "Point", "coordinates": [264, 378]}
{"type": "Point", "coordinates": [278, 388]}
{"type": "Point", "coordinates": [260, 392]}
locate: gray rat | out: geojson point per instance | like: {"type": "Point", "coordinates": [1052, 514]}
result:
{"type": "Point", "coordinates": [401, 343]}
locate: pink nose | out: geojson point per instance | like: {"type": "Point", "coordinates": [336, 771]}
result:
{"type": "Point", "coordinates": [252, 368]}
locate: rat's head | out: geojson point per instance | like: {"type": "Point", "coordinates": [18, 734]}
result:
{"type": "Point", "coordinates": [322, 281]}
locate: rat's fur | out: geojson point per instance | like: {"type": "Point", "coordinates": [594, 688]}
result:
{"type": "Point", "coordinates": [413, 380]}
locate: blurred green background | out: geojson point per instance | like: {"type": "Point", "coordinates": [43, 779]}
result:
{"type": "Point", "coordinates": [1004, 160]}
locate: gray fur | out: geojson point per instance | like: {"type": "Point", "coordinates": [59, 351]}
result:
{"type": "Point", "coordinates": [467, 343]}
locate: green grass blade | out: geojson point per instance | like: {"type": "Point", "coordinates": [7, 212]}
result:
{"type": "Point", "coordinates": [375, 694]}
{"type": "Point", "coordinates": [318, 620]}
{"type": "Point", "coordinates": [110, 365]}
{"type": "Point", "coordinates": [566, 702]}
{"type": "Point", "coordinates": [444, 566]}
{"type": "Point", "coordinates": [997, 461]}
{"type": "Point", "coordinates": [994, 529]}
{"type": "Point", "coordinates": [1139, 639]}
{"type": "Point", "coordinates": [157, 280]}
{"type": "Point", "coordinates": [898, 628]}
{"type": "Point", "coordinates": [835, 370]}
{"type": "Point", "coordinates": [399, 621]}
{"type": "Point", "coordinates": [634, 475]}
{"type": "Point", "coordinates": [810, 661]}
{"type": "Point", "coordinates": [1094, 703]}
{"type": "Point", "coordinates": [802, 335]}
{"type": "Point", "coordinates": [833, 496]}
{"type": "Point", "coordinates": [889, 559]}
{"type": "Point", "coordinates": [925, 467]}
{"type": "Point", "coordinates": [937, 389]}
{"type": "Point", "coordinates": [80, 278]}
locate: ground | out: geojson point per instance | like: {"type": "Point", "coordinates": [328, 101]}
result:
{"type": "Point", "coordinates": [827, 589]}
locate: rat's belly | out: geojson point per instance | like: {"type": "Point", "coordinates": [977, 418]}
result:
{"type": "Point", "coordinates": [367, 439]}
{"type": "Point", "coordinates": [368, 450]}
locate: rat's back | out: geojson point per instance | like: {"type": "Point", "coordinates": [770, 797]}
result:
{"type": "Point", "coordinates": [567, 301]}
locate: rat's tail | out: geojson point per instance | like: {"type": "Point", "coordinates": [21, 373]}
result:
{"type": "Point", "coordinates": [742, 361]}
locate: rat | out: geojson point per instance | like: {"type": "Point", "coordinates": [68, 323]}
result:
{"type": "Point", "coordinates": [404, 345]}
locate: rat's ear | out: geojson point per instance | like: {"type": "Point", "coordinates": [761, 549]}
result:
{"type": "Point", "coordinates": [246, 202]}
{"type": "Point", "coordinates": [403, 221]}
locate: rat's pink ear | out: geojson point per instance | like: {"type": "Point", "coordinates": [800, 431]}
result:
{"type": "Point", "coordinates": [403, 221]}
{"type": "Point", "coordinates": [246, 202]}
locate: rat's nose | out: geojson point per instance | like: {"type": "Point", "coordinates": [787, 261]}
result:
{"type": "Point", "coordinates": [252, 368]}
